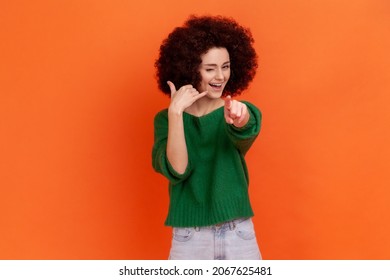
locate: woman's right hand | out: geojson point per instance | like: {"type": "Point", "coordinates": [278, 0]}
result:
{"type": "Point", "coordinates": [184, 97]}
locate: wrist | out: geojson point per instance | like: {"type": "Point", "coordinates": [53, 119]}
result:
{"type": "Point", "coordinates": [174, 111]}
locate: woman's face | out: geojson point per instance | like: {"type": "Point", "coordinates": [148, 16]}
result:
{"type": "Point", "coordinates": [214, 71]}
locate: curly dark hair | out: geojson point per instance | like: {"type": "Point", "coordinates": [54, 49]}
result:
{"type": "Point", "coordinates": [180, 53]}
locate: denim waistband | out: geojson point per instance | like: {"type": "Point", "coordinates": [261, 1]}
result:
{"type": "Point", "coordinates": [229, 224]}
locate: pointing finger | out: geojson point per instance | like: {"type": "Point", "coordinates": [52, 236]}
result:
{"type": "Point", "coordinates": [228, 102]}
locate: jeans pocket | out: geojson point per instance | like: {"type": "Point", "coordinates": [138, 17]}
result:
{"type": "Point", "coordinates": [245, 230]}
{"type": "Point", "coordinates": [183, 234]}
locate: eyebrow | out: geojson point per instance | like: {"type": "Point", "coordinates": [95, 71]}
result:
{"type": "Point", "coordinates": [213, 64]}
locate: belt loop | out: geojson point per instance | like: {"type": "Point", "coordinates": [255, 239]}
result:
{"type": "Point", "coordinates": [197, 229]}
{"type": "Point", "coordinates": [232, 225]}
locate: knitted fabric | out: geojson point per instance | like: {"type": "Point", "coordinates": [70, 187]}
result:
{"type": "Point", "coordinates": [214, 186]}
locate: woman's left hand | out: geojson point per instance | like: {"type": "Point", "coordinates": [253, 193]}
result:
{"type": "Point", "coordinates": [236, 112]}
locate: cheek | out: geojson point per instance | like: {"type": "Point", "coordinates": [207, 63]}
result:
{"type": "Point", "coordinates": [204, 83]}
{"type": "Point", "coordinates": [205, 78]}
{"type": "Point", "coordinates": [228, 75]}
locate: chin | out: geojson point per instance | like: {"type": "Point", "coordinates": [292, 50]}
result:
{"type": "Point", "coordinates": [214, 95]}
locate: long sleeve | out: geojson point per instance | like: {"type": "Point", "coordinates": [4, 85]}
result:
{"type": "Point", "coordinates": [160, 161]}
{"type": "Point", "coordinates": [214, 187]}
{"type": "Point", "coordinates": [244, 137]}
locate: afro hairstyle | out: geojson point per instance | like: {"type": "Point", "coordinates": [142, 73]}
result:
{"type": "Point", "coordinates": [180, 53]}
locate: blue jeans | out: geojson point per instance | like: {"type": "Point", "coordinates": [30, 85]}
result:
{"type": "Point", "coordinates": [233, 240]}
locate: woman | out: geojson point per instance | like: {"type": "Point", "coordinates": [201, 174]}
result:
{"type": "Point", "coordinates": [202, 137]}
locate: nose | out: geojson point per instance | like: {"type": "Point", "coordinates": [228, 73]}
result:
{"type": "Point", "coordinates": [219, 75]}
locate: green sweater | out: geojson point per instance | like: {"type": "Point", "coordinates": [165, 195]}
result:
{"type": "Point", "coordinates": [214, 187]}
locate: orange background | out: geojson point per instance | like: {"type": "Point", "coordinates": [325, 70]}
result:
{"type": "Point", "coordinates": [78, 97]}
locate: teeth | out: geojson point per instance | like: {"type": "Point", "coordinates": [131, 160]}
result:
{"type": "Point", "coordinates": [216, 85]}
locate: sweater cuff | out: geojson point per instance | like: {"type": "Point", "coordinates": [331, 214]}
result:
{"type": "Point", "coordinates": [176, 174]}
{"type": "Point", "coordinates": [251, 122]}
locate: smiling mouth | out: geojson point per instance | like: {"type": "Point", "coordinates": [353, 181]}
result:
{"type": "Point", "coordinates": [216, 85]}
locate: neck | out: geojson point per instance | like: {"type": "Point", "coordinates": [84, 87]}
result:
{"type": "Point", "coordinates": [204, 106]}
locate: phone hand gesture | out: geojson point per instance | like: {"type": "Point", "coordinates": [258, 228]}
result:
{"type": "Point", "coordinates": [184, 97]}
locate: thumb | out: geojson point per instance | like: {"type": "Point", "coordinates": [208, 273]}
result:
{"type": "Point", "coordinates": [172, 87]}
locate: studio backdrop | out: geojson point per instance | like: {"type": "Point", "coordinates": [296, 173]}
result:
{"type": "Point", "coordinates": [78, 96]}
